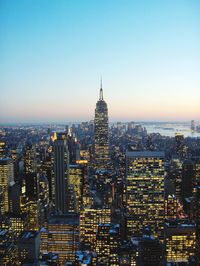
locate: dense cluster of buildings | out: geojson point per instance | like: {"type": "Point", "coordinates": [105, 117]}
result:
{"type": "Point", "coordinates": [94, 194]}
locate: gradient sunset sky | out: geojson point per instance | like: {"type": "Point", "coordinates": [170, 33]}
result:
{"type": "Point", "coordinates": [52, 54]}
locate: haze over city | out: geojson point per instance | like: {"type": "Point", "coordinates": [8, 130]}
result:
{"type": "Point", "coordinates": [54, 53]}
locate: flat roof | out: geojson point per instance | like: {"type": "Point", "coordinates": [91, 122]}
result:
{"type": "Point", "coordinates": [5, 160]}
{"type": "Point", "coordinates": [71, 219]}
{"type": "Point", "coordinates": [141, 154]}
{"type": "Point", "coordinates": [180, 224]}
{"type": "Point", "coordinates": [3, 232]}
{"type": "Point", "coordinates": [29, 234]}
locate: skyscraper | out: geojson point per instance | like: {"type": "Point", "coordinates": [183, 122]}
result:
{"type": "Point", "coordinates": [6, 179]}
{"type": "Point", "coordinates": [60, 173]}
{"type": "Point", "coordinates": [145, 192]}
{"type": "Point", "coordinates": [101, 142]}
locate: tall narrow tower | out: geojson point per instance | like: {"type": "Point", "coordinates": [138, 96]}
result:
{"type": "Point", "coordinates": [101, 143]}
{"type": "Point", "coordinates": [60, 173]}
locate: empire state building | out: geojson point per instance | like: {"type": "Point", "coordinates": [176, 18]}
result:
{"type": "Point", "coordinates": [101, 142]}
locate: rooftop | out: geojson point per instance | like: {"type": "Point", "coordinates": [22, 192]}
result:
{"type": "Point", "coordinates": [180, 224]}
{"type": "Point", "coordinates": [29, 234]}
{"type": "Point", "coordinates": [5, 160]}
{"type": "Point", "coordinates": [71, 219]}
{"type": "Point", "coordinates": [144, 154]}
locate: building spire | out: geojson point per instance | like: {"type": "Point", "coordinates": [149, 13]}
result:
{"type": "Point", "coordinates": [101, 91]}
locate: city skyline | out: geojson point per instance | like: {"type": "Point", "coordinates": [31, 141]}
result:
{"type": "Point", "coordinates": [52, 57]}
{"type": "Point", "coordinates": [96, 194]}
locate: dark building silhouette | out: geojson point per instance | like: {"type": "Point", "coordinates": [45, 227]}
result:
{"type": "Point", "coordinates": [60, 172]}
{"type": "Point", "coordinates": [31, 181]}
{"type": "Point", "coordinates": [29, 247]}
{"type": "Point", "coordinates": [187, 179]}
{"type": "Point", "coordinates": [14, 198]}
{"type": "Point", "coordinates": [150, 250]}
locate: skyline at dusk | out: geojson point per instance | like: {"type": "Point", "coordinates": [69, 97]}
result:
{"type": "Point", "coordinates": [100, 132]}
{"type": "Point", "coordinates": [54, 53]}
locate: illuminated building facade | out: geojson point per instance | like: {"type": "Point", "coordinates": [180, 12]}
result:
{"type": "Point", "coordinates": [107, 244]}
{"type": "Point", "coordinates": [145, 192]}
{"type": "Point", "coordinates": [197, 174]}
{"type": "Point", "coordinates": [61, 237]}
{"type": "Point", "coordinates": [30, 159]}
{"type": "Point", "coordinates": [171, 207]}
{"type": "Point", "coordinates": [44, 190]}
{"type": "Point", "coordinates": [75, 186]}
{"type": "Point", "coordinates": [180, 240]}
{"type": "Point", "coordinates": [2, 148]}
{"type": "Point", "coordinates": [90, 218]}
{"type": "Point", "coordinates": [18, 224]}
{"type": "Point", "coordinates": [44, 239]}
{"type": "Point", "coordinates": [177, 174]}
{"type": "Point", "coordinates": [60, 172]}
{"type": "Point", "coordinates": [101, 141]}
{"type": "Point", "coordinates": [30, 203]}
{"type": "Point", "coordinates": [33, 209]}
{"type": "Point", "coordinates": [6, 179]}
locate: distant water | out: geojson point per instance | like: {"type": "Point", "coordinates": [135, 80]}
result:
{"type": "Point", "coordinates": [170, 129]}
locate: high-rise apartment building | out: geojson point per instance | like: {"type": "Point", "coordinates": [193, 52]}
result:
{"type": "Point", "coordinates": [145, 192]}
{"type": "Point", "coordinates": [101, 142]}
{"type": "Point", "coordinates": [60, 172]}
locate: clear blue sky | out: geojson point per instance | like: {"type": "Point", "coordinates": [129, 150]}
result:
{"type": "Point", "coordinates": [52, 54]}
